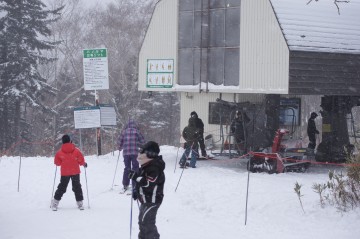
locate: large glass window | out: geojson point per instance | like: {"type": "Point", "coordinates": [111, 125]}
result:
{"type": "Point", "coordinates": [209, 40]}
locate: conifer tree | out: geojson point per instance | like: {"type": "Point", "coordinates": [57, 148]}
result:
{"type": "Point", "coordinates": [23, 33]}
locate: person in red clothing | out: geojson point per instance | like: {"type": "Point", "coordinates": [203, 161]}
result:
{"type": "Point", "coordinates": [69, 158]}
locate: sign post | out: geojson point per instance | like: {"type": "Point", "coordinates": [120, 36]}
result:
{"type": "Point", "coordinates": [108, 118]}
{"type": "Point", "coordinates": [96, 77]}
{"type": "Point", "coordinates": [96, 73]}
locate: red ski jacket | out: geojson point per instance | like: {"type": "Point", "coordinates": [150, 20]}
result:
{"type": "Point", "coordinates": [69, 158]}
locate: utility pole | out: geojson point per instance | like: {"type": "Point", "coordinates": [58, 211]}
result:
{"type": "Point", "coordinates": [98, 130]}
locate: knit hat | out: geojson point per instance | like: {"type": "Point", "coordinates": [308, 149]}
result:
{"type": "Point", "coordinates": [313, 115]}
{"type": "Point", "coordinates": [66, 139]}
{"type": "Point", "coordinates": [194, 114]}
{"type": "Point", "coordinates": [151, 149]}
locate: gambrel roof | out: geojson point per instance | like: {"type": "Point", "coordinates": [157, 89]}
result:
{"type": "Point", "coordinates": [324, 44]}
{"type": "Point", "coordinates": [320, 26]}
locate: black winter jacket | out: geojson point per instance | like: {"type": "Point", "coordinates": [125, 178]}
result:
{"type": "Point", "coordinates": [198, 122]}
{"type": "Point", "coordinates": [151, 180]}
{"type": "Point", "coordinates": [191, 133]}
{"type": "Point", "coordinates": [311, 129]}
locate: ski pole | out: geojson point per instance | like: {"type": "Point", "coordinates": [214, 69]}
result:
{"type": "Point", "coordinates": [117, 162]}
{"type": "Point", "coordinates": [19, 174]}
{"type": "Point", "coordinates": [177, 154]}
{"type": "Point", "coordinates": [247, 191]}
{"type": "Point", "coordinates": [131, 211]}
{"type": "Point", "coordinates": [187, 157]}
{"type": "Point", "coordinates": [52, 194]}
{"type": "Point", "coordinates": [87, 190]}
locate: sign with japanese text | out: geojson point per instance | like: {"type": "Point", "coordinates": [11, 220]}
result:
{"type": "Point", "coordinates": [160, 73]}
{"type": "Point", "coordinates": [96, 73]}
{"type": "Point", "coordinates": [87, 117]}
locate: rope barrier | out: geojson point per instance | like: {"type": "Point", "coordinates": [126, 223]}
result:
{"type": "Point", "coordinates": [274, 156]}
{"type": "Point", "coordinates": [49, 143]}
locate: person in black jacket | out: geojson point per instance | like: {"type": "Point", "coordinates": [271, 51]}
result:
{"type": "Point", "coordinates": [200, 125]}
{"type": "Point", "coordinates": [191, 135]}
{"type": "Point", "coordinates": [312, 131]}
{"type": "Point", "coordinates": [149, 188]}
{"type": "Point", "coordinates": [238, 131]}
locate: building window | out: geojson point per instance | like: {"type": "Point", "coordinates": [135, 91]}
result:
{"type": "Point", "coordinates": [289, 113]}
{"type": "Point", "coordinates": [209, 42]}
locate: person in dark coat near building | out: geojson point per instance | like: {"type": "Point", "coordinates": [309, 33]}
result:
{"type": "Point", "coordinates": [149, 189]}
{"type": "Point", "coordinates": [312, 131]}
{"type": "Point", "coordinates": [69, 158]}
{"type": "Point", "coordinates": [129, 142]}
{"type": "Point", "coordinates": [200, 125]}
{"type": "Point", "coordinates": [191, 135]}
{"type": "Point", "coordinates": [238, 131]}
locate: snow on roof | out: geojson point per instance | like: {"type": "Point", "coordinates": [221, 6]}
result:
{"type": "Point", "coordinates": [318, 26]}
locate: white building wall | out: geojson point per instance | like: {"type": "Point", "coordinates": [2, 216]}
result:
{"type": "Point", "coordinates": [264, 55]}
{"type": "Point", "coordinates": [160, 41]}
{"type": "Point", "coordinates": [264, 61]}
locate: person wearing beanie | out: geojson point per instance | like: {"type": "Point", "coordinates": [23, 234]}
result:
{"type": "Point", "coordinates": [149, 188]}
{"type": "Point", "coordinates": [312, 131]}
{"type": "Point", "coordinates": [69, 158]}
{"type": "Point", "coordinates": [191, 135]}
{"type": "Point", "coordinates": [238, 130]}
{"type": "Point", "coordinates": [200, 125]}
{"type": "Point", "coordinates": [128, 142]}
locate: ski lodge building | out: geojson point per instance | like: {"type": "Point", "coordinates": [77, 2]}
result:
{"type": "Point", "coordinates": [275, 60]}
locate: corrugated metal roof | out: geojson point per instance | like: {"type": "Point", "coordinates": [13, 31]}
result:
{"type": "Point", "coordinates": [318, 26]}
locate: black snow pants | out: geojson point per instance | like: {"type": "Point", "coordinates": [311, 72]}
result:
{"type": "Point", "coordinates": [76, 187]}
{"type": "Point", "coordinates": [312, 141]}
{"type": "Point", "coordinates": [147, 221]}
{"type": "Point", "coordinates": [202, 145]}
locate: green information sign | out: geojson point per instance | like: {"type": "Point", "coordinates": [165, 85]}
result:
{"type": "Point", "coordinates": [94, 53]}
{"type": "Point", "coordinates": [95, 65]}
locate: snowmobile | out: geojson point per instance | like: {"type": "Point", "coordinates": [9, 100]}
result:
{"type": "Point", "coordinates": [281, 159]}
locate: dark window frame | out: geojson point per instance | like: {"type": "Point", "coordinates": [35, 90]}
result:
{"type": "Point", "coordinates": [289, 110]}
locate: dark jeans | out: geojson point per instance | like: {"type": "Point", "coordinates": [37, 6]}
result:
{"type": "Point", "coordinates": [193, 149]}
{"type": "Point", "coordinates": [147, 221]}
{"type": "Point", "coordinates": [76, 187]}
{"type": "Point", "coordinates": [130, 164]}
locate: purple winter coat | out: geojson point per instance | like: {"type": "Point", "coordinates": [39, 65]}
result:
{"type": "Point", "coordinates": [130, 139]}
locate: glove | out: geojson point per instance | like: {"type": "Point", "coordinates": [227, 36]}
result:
{"type": "Point", "coordinates": [134, 194]}
{"type": "Point", "coordinates": [133, 175]}
{"type": "Point", "coordinates": [85, 165]}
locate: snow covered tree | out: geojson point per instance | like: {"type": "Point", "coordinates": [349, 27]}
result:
{"type": "Point", "coordinates": [23, 30]}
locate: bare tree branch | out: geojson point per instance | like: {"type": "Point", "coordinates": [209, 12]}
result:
{"type": "Point", "coordinates": [336, 2]}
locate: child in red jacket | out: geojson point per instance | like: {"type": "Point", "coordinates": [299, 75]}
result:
{"type": "Point", "coordinates": [69, 158]}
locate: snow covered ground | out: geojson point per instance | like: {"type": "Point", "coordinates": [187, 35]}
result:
{"type": "Point", "coordinates": [209, 203]}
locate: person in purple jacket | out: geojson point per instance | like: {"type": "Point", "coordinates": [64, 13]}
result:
{"type": "Point", "coordinates": [129, 141]}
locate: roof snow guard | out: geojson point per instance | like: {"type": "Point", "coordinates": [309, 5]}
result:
{"type": "Point", "coordinates": [324, 44]}
{"type": "Point", "coordinates": [320, 26]}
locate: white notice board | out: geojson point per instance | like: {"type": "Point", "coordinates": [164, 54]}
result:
{"type": "Point", "coordinates": [87, 117]}
{"type": "Point", "coordinates": [96, 72]}
{"type": "Point", "coordinates": [108, 115]}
